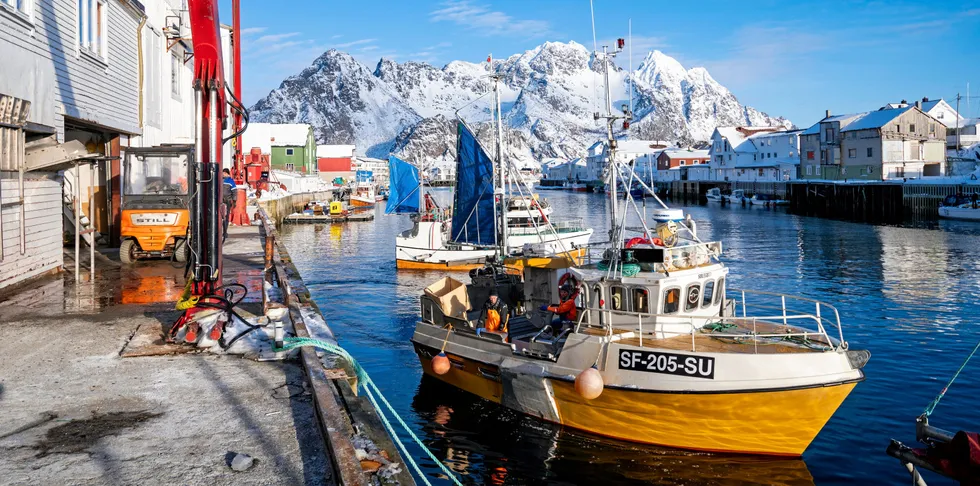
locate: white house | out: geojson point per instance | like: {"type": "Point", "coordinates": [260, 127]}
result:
{"type": "Point", "coordinates": [69, 82]}
{"type": "Point", "coordinates": [626, 150]}
{"type": "Point", "coordinates": [752, 154]}
{"type": "Point", "coordinates": [168, 98]}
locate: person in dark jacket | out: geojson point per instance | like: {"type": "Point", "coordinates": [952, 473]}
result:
{"type": "Point", "coordinates": [495, 314]}
{"type": "Point", "coordinates": [228, 188]}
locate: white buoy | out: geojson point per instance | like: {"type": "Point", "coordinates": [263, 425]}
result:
{"type": "Point", "coordinates": [589, 384]}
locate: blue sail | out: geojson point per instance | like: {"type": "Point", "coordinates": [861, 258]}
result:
{"type": "Point", "coordinates": [474, 221]}
{"type": "Point", "coordinates": [403, 186]}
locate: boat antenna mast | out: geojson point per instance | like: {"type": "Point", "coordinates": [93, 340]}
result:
{"type": "Point", "coordinates": [612, 168]}
{"type": "Point", "coordinates": [500, 191]}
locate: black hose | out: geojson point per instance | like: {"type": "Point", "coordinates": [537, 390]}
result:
{"type": "Point", "coordinates": [241, 110]}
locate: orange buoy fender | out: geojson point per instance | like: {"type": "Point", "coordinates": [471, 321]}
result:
{"type": "Point", "coordinates": [441, 364]}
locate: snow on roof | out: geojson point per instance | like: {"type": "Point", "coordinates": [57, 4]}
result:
{"type": "Point", "coordinates": [875, 119]}
{"type": "Point", "coordinates": [335, 151]}
{"type": "Point", "coordinates": [268, 135]}
{"type": "Point", "coordinates": [843, 119]}
{"type": "Point", "coordinates": [735, 137]}
{"type": "Point", "coordinates": [685, 153]}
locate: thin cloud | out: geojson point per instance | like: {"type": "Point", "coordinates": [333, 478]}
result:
{"type": "Point", "coordinates": [488, 22]}
{"type": "Point", "coordinates": [368, 48]}
{"type": "Point", "coordinates": [253, 30]}
{"type": "Point", "coordinates": [268, 39]}
{"type": "Point", "coordinates": [354, 43]}
{"type": "Point", "coordinates": [336, 36]}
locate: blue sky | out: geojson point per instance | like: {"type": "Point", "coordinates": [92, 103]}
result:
{"type": "Point", "coordinates": [794, 59]}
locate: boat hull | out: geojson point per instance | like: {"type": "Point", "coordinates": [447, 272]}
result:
{"type": "Point", "coordinates": [965, 214]}
{"type": "Point", "coordinates": [358, 202]}
{"type": "Point", "coordinates": [771, 422]}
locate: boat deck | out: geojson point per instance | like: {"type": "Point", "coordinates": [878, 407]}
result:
{"type": "Point", "coordinates": [298, 218]}
{"type": "Point", "coordinates": [737, 339]}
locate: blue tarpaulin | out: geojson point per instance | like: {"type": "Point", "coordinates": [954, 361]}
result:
{"type": "Point", "coordinates": [404, 187]}
{"type": "Point", "coordinates": [474, 220]}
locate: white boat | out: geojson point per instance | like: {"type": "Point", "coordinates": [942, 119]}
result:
{"type": "Point", "coordinates": [767, 200]}
{"type": "Point", "coordinates": [714, 194]}
{"type": "Point", "coordinates": [961, 207]}
{"type": "Point", "coordinates": [363, 196]}
{"type": "Point", "coordinates": [653, 347]}
{"type": "Point", "coordinates": [737, 196]}
{"type": "Point", "coordinates": [473, 233]}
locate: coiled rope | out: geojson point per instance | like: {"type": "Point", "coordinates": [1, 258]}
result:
{"type": "Point", "coordinates": [627, 269]}
{"type": "Point", "coordinates": [932, 404]}
{"type": "Point", "coordinates": [374, 394]}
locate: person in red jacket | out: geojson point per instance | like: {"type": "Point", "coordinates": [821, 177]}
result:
{"type": "Point", "coordinates": [565, 312]}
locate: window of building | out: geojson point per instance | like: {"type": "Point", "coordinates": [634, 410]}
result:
{"type": "Point", "coordinates": [23, 7]}
{"type": "Point", "coordinates": [932, 129]}
{"type": "Point", "coordinates": [864, 171]}
{"type": "Point", "coordinates": [693, 297]}
{"type": "Point", "coordinates": [672, 301]}
{"type": "Point", "coordinates": [290, 167]}
{"type": "Point", "coordinates": [898, 128]}
{"type": "Point", "coordinates": [753, 156]}
{"type": "Point", "coordinates": [175, 66]}
{"type": "Point", "coordinates": [641, 301]}
{"type": "Point", "coordinates": [93, 27]}
{"type": "Point", "coordinates": [760, 172]}
{"type": "Point", "coordinates": [852, 153]}
{"type": "Point", "coordinates": [898, 172]}
{"type": "Point", "coordinates": [829, 134]}
{"type": "Point", "coordinates": [871, 152]}
{"type": "Point", "coordinates": [289, 151]}
{"type": "Point", "coordinates": [708, 293]}
{"type": "Point", "coordinates": [823, 156]}
{"type": "Point", "coordinates": [809, 155]}
{"type": "Point", "coordinates": [729, 157]}
{"type": "Point", "coordinates": [911, 128]}
{"type": "Point", "coordinates": [809, 170]}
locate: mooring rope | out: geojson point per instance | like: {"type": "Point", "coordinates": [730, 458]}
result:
{"type": "Point", "coordinates": [932, 405]}
{"type": "Point", "coordinates": [374, 394]}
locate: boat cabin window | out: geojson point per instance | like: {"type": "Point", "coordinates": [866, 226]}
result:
{"type": "Point", "coordinates": [597, 299]}
{"type": "Point", "coordinates": [582, 298]}
{"type": "Point", "coordinates": [618, 300]}
{"type": "Point", "coordinates": [693, 297]}
{"type": "Point", "coordinates": [641, 300]}
{"type": "Point", "coordinates": [720, 291]}
{"type": "Point", "coordinates": [672, 301]}
{"type": "Point", "coordinates": [708, 293]}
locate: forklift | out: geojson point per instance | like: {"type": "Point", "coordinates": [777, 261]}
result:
{"type": "Point", "coordinates": [155, 203]}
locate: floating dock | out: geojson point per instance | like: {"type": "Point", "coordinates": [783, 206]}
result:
{"type": "Point", "coordinates": [299, 218]}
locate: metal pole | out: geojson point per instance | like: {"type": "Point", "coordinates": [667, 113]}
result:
{"type": "Point", "coordinates": [957, 123]}
{"type": "Point", "coordinates": [78, 209]}
{"type": "Point", "coordinates": [91, 222]}
{"type": "Point", "coordinates": [500, 165]}
{"type": "Point", "coordinates": [611, 152]}
{"type": "Point", "coordinates": [20, 152]}
{"type": "Point", "coordinates": [236, 40]}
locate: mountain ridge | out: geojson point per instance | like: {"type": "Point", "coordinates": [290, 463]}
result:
{"type": "Point", "coordinates": [548, 94]}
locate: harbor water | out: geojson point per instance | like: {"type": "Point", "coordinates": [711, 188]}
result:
{"type": "Point", "coordinates": [911, 295]}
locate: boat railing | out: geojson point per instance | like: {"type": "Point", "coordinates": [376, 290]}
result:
{"type": "Point", "coordinates": [558, 224]}
{"type": "Point", "coordinates": [807, 327]}
{"type": "Point", "coordinates": [825, 314]}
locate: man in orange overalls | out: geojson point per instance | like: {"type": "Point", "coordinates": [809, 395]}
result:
{"type": "Point", "coordinates": [495, 314]}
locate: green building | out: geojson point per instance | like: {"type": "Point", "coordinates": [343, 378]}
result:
{"type": "Point", "coordinates": [291, 146]}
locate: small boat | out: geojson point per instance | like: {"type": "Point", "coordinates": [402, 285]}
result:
{"type": "Point", "coordinates": [550, 185]}
{"type": "Point", "coordinates": [737, 196]}
{"type": "Point", "coordinates": [714, 194]}
{"type": "Point", "coordinates": [767, 200]}
{"type": "Point", "coordinates": [466, 238]}
{"type": "Point", "coordinates": [960, 206]}
{"type": "Point", "coordinates": [577, 187]}
{"type": "Point", "coordinates": [362, 196]}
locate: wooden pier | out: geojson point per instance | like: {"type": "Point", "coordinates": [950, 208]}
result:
{"type": "Point", "coordinates": [356, 216]}
{"type": "Point", "coordinates": [872, 202]}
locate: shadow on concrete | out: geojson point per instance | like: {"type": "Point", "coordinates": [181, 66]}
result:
{"type": "Point", "coordinates": [270, 449]}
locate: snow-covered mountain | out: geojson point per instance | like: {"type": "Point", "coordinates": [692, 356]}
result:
{"type": "Point", "coordinates": [548, 94]}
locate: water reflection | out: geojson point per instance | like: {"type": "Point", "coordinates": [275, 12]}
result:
{"type": "Point", "coordinates": [475, 437]}
{"type": "Point", "coordinates": [908, 294]}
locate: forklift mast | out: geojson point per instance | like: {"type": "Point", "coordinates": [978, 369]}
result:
{"type": "Point", "coordinates": [209, 109]}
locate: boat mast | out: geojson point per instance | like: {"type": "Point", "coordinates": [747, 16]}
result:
{"type": "Point", "coordinates": [611, 164]}
{"type": "Point", "coordinates": [501, 190]}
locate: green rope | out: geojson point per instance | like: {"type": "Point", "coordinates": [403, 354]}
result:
{"type": "Point", "coordinates": [627, 269]}
{"type": "Point", "coordinates": [371, 390]}
{"type": "Point", "coordinates": [932, 405]}
{"type": "Point", "coordinates": [719, 326]}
